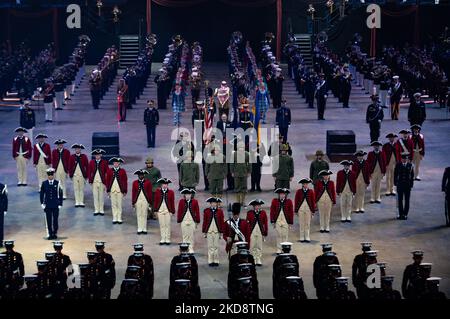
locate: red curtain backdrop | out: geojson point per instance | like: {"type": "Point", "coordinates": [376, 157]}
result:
{"type": "Point", "coordinates": [404, 12]}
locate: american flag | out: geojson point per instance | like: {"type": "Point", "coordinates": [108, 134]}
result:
{"type": "Point", "coordinates": [208, 121]}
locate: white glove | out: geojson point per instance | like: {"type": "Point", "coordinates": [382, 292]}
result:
{"type": "Point", "coordinates": [59, 206]}
{"type": "Point", "coordinates": [43, 206]}
{"type": "Point", "coordinates": [5, 213]}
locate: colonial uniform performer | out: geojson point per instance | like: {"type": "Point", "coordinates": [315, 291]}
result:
{"type": "Point", "coordinates": [216, 171]}
{"type": "Point", "coordinates": [362, 176]}
{"type": "Point", "coordinates": [42, 157]}
{"type": "Point", "coordinates": [213, 227]}
{"type": "Point", "coordinates": [257, 220]}
{"type": "Point", "coordinates": [141, 199]}
{"type": "Point", "coordinates": [390, 154]}
{"type": "Point", "coordinates": [236, 230]}
{"type": "Point", "coordinates": [97, 170]}
{"type": "Point", "coordinates": [60, 162]}
{"type": "Point", "coordinates": [320, 269]}
{"type": "Point", "coordinates": [164, 206]}
{"type": "Point", "coordinates": [281, 215]}
{"type": "Point", "coordinates": [346, 189]}
{"type": "Point", "coordinates": [21, 152]}
{"type": "Point", "coordinates": [188, 215]}
{"type": "Point", "coordinates": [223, 96]}
{"type": "Point", "coordinates": [418, 148]}
{"type": "Point", "coordinates": [417, 113]}
{"type": "Point", "coordinates": [395, 92]}
{"type": "Point", "coordinates": [3, 209]}
{"type": "Point", "coordinates": [78, 172]}
{"type": "Point", "coordinates": [325, 193]}
{"type": "Point", "coordinates": [374, 117]}
{"type": "Point", "coordinates": [284, 166]}
{"type": "Point", "coordinates": [446, 190]}
{"type": "Point", "coordinates": [107, 270]}
{"type": "Point", "coordinates": [318, 165]}
{"type": "Point", "coordinates": [404, 145]}
{"type": "Point", "coordinates": [116, 187]}
{"type": "Point", "coordinates": [376, 163]}
{"type": "Point", "coordinates": [189, 172]}
{"type": "Point", "coordinates": [404, 181]}
{"type": "Point", "coordinates": [305, 207]}
{"type": "Point", "coordinates": [412, 277]}
{"type": "Point", "coordinates": [51, 196]}
{"type": "Point", "coordinates": [153, 175]}
{"type": "Point", "coordinates": [240, 170]}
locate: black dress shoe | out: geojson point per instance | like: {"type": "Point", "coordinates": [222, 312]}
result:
{"type": "Point", "coordinates": [348, 221]}
{"type": "Point", "coordinates": [372, 202]}
{"type": "Point", "coordinates": [259, 190]}
{"type": "Point", "coordinates": [211, 265]}
{"type": "Point", "coordinates": [24, 184]}
{"type": "Point", "coordinates": [216, 264]}
{"type": "Point", "coordinates": [259, 265]}
{"type": "Point", "coordinates": [120, 223]}
{"type": "Point", "coordinates": [161, 243]}
{"type": "Point", "coordinates": [81, 205]}
{"type": "Point", "coordinates": [327, 231]}
{"type": "Point", "coordinates": [167, 244]}
{"type": "Point", "coordinates": [251, 190]}
{"type": "Point", "coordinates": [144, 233]}
{"type": "Point", "coordinates": [405, 217]}
{"type": "Point", "coordinates": [399, 217]}
{"type": "Point", "coordinates": [114, 223]}
{"type": "Point", "coordinates": [378, 201]}
{"type": "Point", "coordinates": [322, 231]}
{"type": "Point", "coordinates": [138, 233]}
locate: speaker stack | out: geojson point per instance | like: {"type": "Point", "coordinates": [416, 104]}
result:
{"type": "Point", "coordinates": [341, 145]}
{"type": "Point", "coordinates": [108, 141]}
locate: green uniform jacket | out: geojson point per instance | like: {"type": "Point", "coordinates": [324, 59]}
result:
{"type": "Point", "coordinates": [217, 168]}
{"type": "Point", "coordinates": [153, 175]}
{"type": "Point", "coordinates": [285, 167]}
{"type": "Point", "coordinates": [316, 167]}
{"type": "Point", "coordinates": [239, 168]}
{"type": "Point", "coordinates": [189, 174]}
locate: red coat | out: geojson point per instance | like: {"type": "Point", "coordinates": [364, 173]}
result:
{"type": "Point", "coordinates": [169, 200]}
{"type": "Point", "coordinates": [136, 191]}
{"type": "Point", "coordinates": [92, 170]}
{"type": "Point", "coordinates": [121, 177]}
{"type": "Point", "coordinates": [320, 187]}
{"type": "Point", "coordinates": [288, 209]}
{"type": "Point", "coordinates": [26, 147]}
{"type": "Point", "coordinates": [421, 141]}
{"type": "Point", "coordinates": [193, 209]}
{"type": "Point", "coordinates": [47, 151]}
{"type": "Point", "coordinates": [310, 199]}
{"type": "Point", "coordinates": [261, 221]}
{"type": "Point", "coordinates": [218, 219]}
{"type": "Point", "coordinates": [388, 150]}
{"type": "Point", "coordinates": [229, 232]}
{"type": "Point", "coordinates": [409, 145]}
{"type": "Point", "coordinates": [361, 168]}
{"type": "Point", "coordinates": [372, 161]}
{"type": "Point", "coordinates": [84, 163]}
{"type": "Point", "coordinates": [65, 156]}
{"type": "Point", "coordinates": [341, 180]}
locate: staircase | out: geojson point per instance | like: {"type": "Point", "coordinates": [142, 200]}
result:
{"type": "Point", "coordinates": [129, 50]}
{"type": "Point", "coordinates": [304, 43]}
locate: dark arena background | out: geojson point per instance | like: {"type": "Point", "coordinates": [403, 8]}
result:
{"type": "Point", "coordinates": [125, 79]}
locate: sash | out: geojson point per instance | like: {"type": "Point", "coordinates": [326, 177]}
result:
{"type": "Point", "coordinates": [405, 150]}
{"type": "Point", "coordinates": [236, 230]}
{"type": "Point", "coordinates": [40, 150]}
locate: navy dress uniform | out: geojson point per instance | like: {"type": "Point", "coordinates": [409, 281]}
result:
{"type": "Point", "coordinates": [12, 269]}
{"type": "Point", "coordinates": [342, 292]}
{"type": "Point", "coordinates": [151, 120]}
{"type": "Point", "coordinates": [432, 290]}
{"type": "Point", "coordinates": [60, 262]}
{"type": "Point", "coordinates": [51, 196]}
{"type": "Point", "coordinates": [107, 270]}
{"type": "Point", "coordinates": [283, 120]}
{"type": "Point", "coordinates": [387, 292]}
{"type": "Point", "coordinates": [374, 117]}
{"type": "Point", "coordinates": [404, 180]}
{"type": "Point", "coordinates": [3, 209]}
{"type": "Point", "coordinates": [411, 282]}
